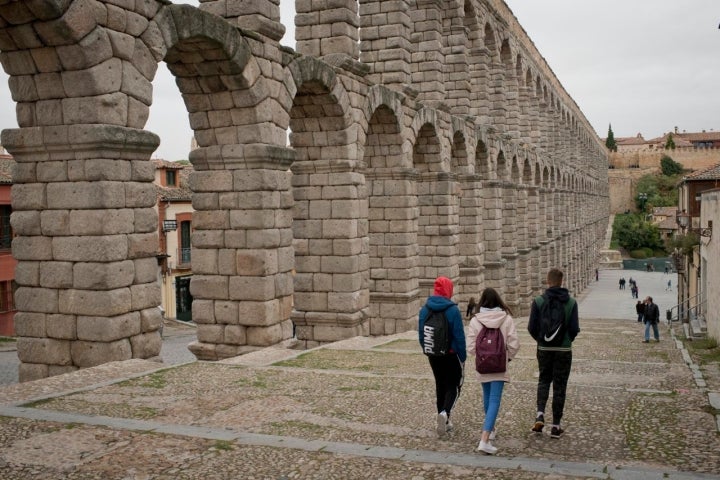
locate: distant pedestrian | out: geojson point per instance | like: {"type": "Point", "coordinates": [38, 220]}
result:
{"type": "Point", "coordinates": [448, 368]}
{"type": "Point", "coordinates": [669, 286]}
{"type": "Point", "coordinates": [493, 313]}
{"type": "Point", "coordinates": [597, 275]}
{"type": "Point", "coordinates": [667, 270]}
{"type": "Point", "coordinates": [640, 309]}
{"type": "Point", "coordinates": [470, 308]}
{"type": "Point", "coordinates": [651, 318]}
{"type": "Point", "coordinates": [554, 361]}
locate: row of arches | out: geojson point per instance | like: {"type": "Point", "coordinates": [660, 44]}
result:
{"type": "Point", "coordinates": [335, 231]}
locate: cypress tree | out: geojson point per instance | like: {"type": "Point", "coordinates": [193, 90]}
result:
{"type": "Point", "coordinates": [610, 141]}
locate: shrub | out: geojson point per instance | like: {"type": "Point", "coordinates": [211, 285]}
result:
{"type": "Point", "coordinates": [641, 253]}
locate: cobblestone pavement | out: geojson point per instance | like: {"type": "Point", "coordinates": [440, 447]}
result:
{"type": "Point", "coordinates": [363, 408]}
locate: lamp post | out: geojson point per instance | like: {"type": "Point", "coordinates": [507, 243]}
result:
{"type": "Point", "coordinates": [643, 198]}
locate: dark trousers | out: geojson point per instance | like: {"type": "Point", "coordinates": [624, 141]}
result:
{"type": "Point", "coordinates": [448, 373]}
{"type": "Point", "coordinates": [554, 369]}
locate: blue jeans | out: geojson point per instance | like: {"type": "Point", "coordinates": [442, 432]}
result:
{"type": "Point", "coordinates": [492, 394]}
{"type": "Point", "coordinates": [655, 331]}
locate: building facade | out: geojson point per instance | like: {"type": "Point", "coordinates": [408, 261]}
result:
{"type": "Point", "coordinates": [175, 230]}
{"type": "Point", "coordinates": [7, 262]}
{"type": "Point", "coordinates": [697, 268]}
{"type": "Point", "coordinates": [433, 141]}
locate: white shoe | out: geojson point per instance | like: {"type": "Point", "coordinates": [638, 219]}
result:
{"type": "Point", "coordinates": [492, 435]}
{"type": "Point", "coordinates": [449, 426]}
{"type": "Point", "coordinates": [442, 421]}
{"type": "Point", "coordinates": [486, 448]}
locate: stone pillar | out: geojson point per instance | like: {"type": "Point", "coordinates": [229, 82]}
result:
{"type": "Point", "coordinates": [480, 84]}
{"type": "Point", "coordinates": [544, 235]}
{"type": "Point", "coordinates": [394, 295]}
{"type": "Point", "coordinates": [509, 246]}
{"type": "Point", "coordinates": [260, 16]}
{"type": "Point", "coordinates": [534, 239]}
{"type": "Point", "coordinates": [512, 102]}
{"type": "Point", "coordinates": [327, 28]}
{"type": "Point", "coordinates": [83, 212]}
{"type": "Point", "coordinates": [438, 228]}
{"type": "Point", "coordinates": [523, 249]}
{"type": "Point", "coordinates": [525, 114]}
{"type": "Point", "coordinates": [457, 69]}
{"type": "Point", "coordinates": [493, 233]}
{"type": "Point", "coordinates": [242, 283]}
{"type": "Point", "coordinates": [331, 251]}
{"type": "Point", "coordinates": [385, 45]}
{"type": "Point", "coordinates": [427, 60]}
{"type": "Point", "coordinates": [470, 248]}
{"type": "Point", "coordinates": [498, 104]}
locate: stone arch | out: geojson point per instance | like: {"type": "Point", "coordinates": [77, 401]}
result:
{"type": "Point", "coordinates": [329, 212]}
{"type": "Point", "coordinates": [392, 218]}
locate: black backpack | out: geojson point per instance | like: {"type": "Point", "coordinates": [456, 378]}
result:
{"type": "Point", "coordinates": [553, 319]}
{"type": "Point", "coordinates": [436, 334]}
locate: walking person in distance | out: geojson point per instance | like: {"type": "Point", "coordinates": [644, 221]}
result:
{"type": "Point", "coordinates": [493, 314]}
{"type": "Point", "coordinates": [640, 310]}
{"type": "Point", "coordinates": [554, 324]}
{"type": "Point", "coordinates": [651, 318]}
{"type": "Point", "coordinates": [442, 338]}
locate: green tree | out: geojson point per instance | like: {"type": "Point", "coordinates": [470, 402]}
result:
{"type": "Point", "coordinates": [610, 140]}
{"type": "Point", "coordinates": [661, 190]}
{"type": "Point", "coordinates": [669, 166]}
{"type": "Point", "coordinates": [633, 232]}
{"type": "Point", "coordinates": [669, 143]}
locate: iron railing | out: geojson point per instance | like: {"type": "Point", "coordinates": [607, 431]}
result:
{"type": "Point", "coordinates": [686, 310]}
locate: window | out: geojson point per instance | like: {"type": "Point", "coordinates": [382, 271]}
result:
{"type": "Point", "coordinates": [6, 297]}
{"type": "Point", "coordinates": [5, 229]}
{"type": "Point", "coordinates": [170, 178]}
{"type": "Point", "coordinates": [185, 242]}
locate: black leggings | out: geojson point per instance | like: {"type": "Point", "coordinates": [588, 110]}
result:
{"type": "Point", "coordinates": [554, 368]}
{"type": "Point", "coordinates": [448, 373]}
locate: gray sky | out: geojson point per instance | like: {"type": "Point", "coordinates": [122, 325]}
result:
{"type": "Point", "coordinates": [645, 66]}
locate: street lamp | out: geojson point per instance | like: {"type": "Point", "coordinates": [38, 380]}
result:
{"type": "Point", "coordinates": [683, 220]}
{"type": "Point", "coordinates": [643, 198]}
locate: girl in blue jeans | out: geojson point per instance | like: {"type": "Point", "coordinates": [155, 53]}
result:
{"type": "Point", "coordinates": [494, 313]}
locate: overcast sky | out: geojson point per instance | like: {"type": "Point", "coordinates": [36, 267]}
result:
{"type": "Point", "coordinates": [644, 66]}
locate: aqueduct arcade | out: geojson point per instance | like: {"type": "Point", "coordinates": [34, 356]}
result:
{"type": "Point", "coordinates": [427, 138]}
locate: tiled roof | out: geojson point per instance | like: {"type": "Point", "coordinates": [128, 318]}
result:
{"type": "Point", "coordinates": [182, 191]}
{"type": "Point", "coordinates": [159, 163]}
{"type": "Point", "coordinates": [700, 137]}
{"type": "Point", "coordinates": [712, 173]}
{"type": "Point", "coordinates": [6, 164]}
{"type": "Point", "coordinates": [665, 211]}
{"type": "Point", "coordinates": [668, 224]}
{"type": "Point", "coordinates": [631, 141]}
{"type": "Point", "coordinates": [677, 140]}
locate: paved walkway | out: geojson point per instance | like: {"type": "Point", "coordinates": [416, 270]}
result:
{"type": "Point", "coordinates": [363, 408]}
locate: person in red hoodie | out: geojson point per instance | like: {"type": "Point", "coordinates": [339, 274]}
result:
{"type": "Point", "coordinates": [447, 369]}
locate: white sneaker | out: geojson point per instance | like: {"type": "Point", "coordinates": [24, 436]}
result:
{"type": "Point", "coordinates": [442, 421]}
{"type": "Point", "coordinates": [492, 435]}
{"type": "Point", "coordinates": [486, 448]}
{"type": "Point", "coordinates": [449, 426]}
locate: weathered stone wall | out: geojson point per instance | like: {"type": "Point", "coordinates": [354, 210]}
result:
{"type": "Point", "coordinates": [443, 145]}
{"type": "Point", "coordinates": [690, 158]}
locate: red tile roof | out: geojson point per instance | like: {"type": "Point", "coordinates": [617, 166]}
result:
{"type": "Point", "coordinates": [712, 173]}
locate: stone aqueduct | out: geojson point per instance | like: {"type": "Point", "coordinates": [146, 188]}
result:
{"type": "Point", "coordinates": [428, 138]}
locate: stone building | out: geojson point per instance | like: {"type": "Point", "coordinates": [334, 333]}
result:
{"type": "Point", "coordinates": [427, 138]}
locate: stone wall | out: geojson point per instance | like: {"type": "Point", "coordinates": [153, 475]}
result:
{"type": "Point", "coordinates": [443, 145]}
{"type": "Point", "coordinates": [691, 158]}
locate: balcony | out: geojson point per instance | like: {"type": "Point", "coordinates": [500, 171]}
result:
{"type": "Point", "coordinates": [183, 258]}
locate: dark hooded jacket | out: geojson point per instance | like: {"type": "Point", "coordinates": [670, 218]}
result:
{"type": "Point", "coordinates": [573, 323]}
{"type": "Point", "coordinates": [440, 300]}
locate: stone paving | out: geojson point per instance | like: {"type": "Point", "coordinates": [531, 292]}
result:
{"type": "Point", "coordinates": [363, 408]}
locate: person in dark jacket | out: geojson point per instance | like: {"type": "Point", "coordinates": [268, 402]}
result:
{"type": "Point", "coordinates": [640, 310]}
{"type": "Point", "coordinates": [448, 369]}
{"type": "Point", "coordinates": [651, 318]}
{"type": "Point", "coordinates": [554, 362]}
